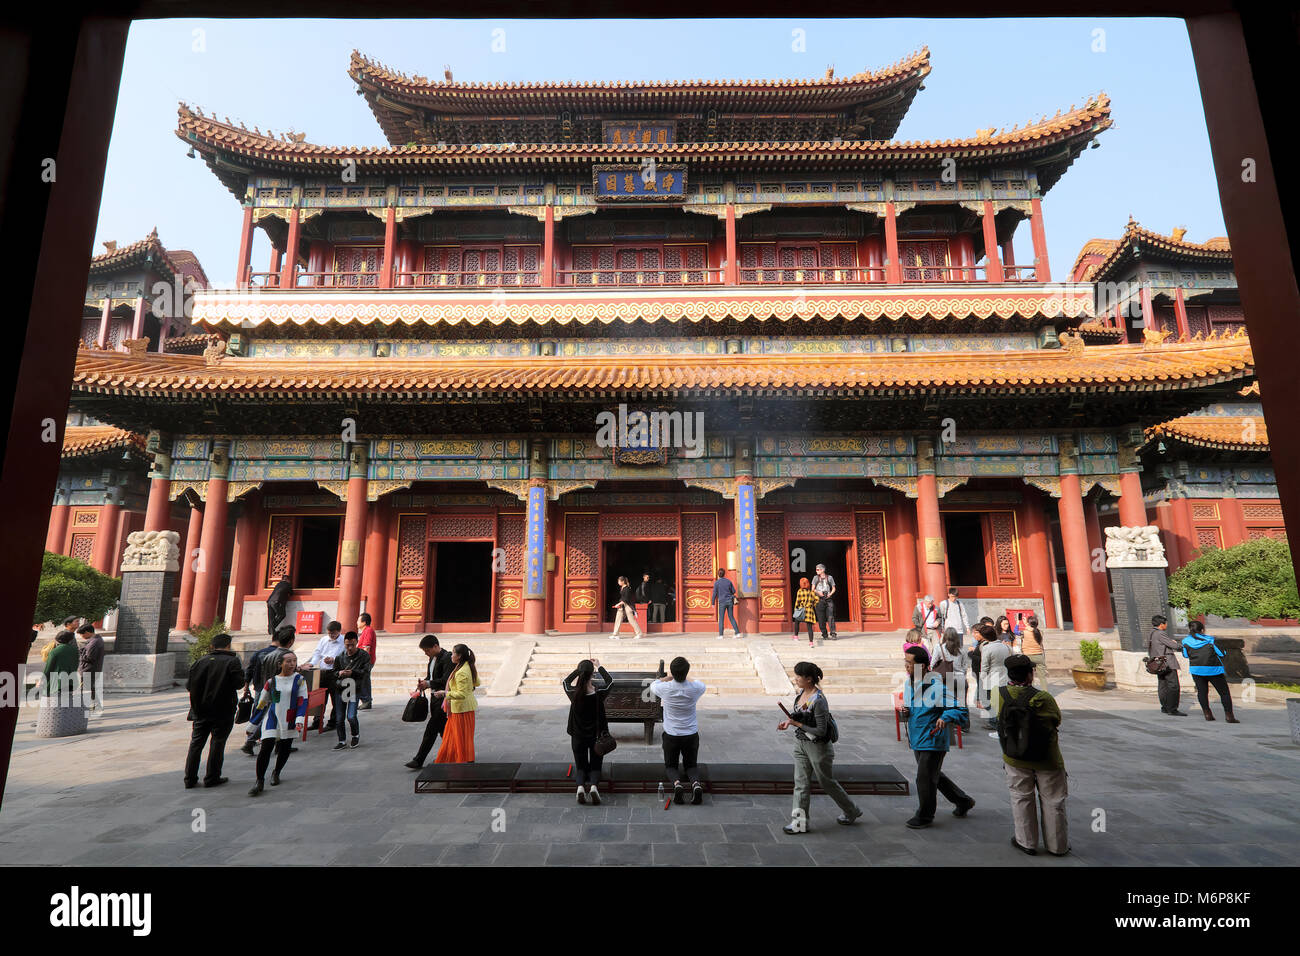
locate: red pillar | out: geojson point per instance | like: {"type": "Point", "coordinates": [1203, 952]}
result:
{"type": "Point", "coordinates": [1037, 556]}
{"type": "Point", "coordinates": [1100, 579]}
{"type": "Point", "coordinates": [243, 566]}
{"type": "Point", "coordinates": [902, 560]}
{"type": "Point", "coordinates": [105, 320]}
{"type": "Point", "coordinates": [1132, 512]}
{"type": "Point", "coordinates": [930, 526]}
{"type": "Point", "coordinates": [1042, 270]}
{"type": "Point", "coordinates": [1180, 315]}
{"type": "Point", "coordinates": [157, 516]}
{"type": "Point", "coordinates": [893, 267]}
{"type": "Point", "coordinates": [390, 242]}
{"type": "Point", "coordinates": [137, 323]}
{"type": "Point", "coordinates": [732, 276]}
{"type": "Point", "coordinates": [1078, 569]}
{"type": "Point", "coordinates": [374, 576]}
{"type": "Point", "coordinates": [276, 263]}
{"type": "Point", "coordinates": [1008, 253]}
{"type": "Point", "coordinates": [350, 571]}
{"type": "Point", "coordinates": [548, 248]}
{"type": "Point", "coordinates": [288, 274]}
{"type": "Point", "coordinates": [193, 538]}
{"type": "Point", "coordinates": [207, 580]}
{"type": "Point", "coordinates": [1148, 313]}
{"type": "Point", "coordinates": [245, 248]}
{"type": "Point", "coordinates": [993, 268]}
{"type": "Point", "coordinates": [58, 529]}
{"type": "Point", "coordinates": [1232, 520]}
{"type": "Point", "coordinates": [102, 557]}
{"type": "Point", "coordinates": [1181, 511]}
{"type": "Point", "coordinates": [1164, 520]}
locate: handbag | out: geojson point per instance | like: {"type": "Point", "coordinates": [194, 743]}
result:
{"type": "Point", "coordinates": [605, 741]}
{"type": "Point", "coordinates": [245, 709]}
{"type": "Point", "coordinates": [799, 613]}
{"type": "Point", "coordinates": [417, 709]}
{"type": "Point", "coordinates": [1156, 665]}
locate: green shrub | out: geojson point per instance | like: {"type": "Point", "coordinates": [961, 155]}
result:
{"type": "Point", "coordinates": [203, 635]}
{"type": "Point", "coordinates": [1251, 580]}
{"type": "Point", "coordinates": [1092, 654]}
{"type": "Point", "coordinates": [70, 586]}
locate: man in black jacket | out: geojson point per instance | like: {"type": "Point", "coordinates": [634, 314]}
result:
{"type": "Point", "coordinates": [439, 669]}
{"type": "Point", "coordinates": [352, 669]}
{"type": "Point", "coordinates": [214, 681]}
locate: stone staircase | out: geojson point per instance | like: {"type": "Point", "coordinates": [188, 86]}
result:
{"type": "Point", "coordinates": [402, 663]}
{"type": "Point", "coordinates": [859, 666]}
{"type": "Point", "coordinates": [725, 666]}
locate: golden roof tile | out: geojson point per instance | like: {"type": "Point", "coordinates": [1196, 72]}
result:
{"type": "Point", "coordinates": [1226, 433]}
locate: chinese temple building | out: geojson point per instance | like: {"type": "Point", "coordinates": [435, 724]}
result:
{"type": "Point", "coordinates": [1207, 476]}
{"type": "Point", "coordinates": [844, 360]}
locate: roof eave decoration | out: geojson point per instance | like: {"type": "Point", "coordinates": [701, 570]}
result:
{"type": "Point", "coordinates": [147, 251]}
{"type": "Point", "coordinates": [1246, 433]}
{"type": "Point", "coordinates": [88, 441]}
{"type": "Point", "coordinates": [1079, 369]}
{"type": "Point", "coordinates": [1137, 241]}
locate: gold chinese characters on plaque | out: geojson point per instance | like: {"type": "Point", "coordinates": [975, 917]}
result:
{"type": "Point", "coordinates": [351, 555]}
{"type": "Point", "coordinates": [934, 550]}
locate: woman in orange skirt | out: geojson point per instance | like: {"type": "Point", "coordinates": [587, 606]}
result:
{"type": "Point", "coordinates": [459, 703]}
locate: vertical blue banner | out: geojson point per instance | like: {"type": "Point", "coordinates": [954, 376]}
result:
{"type": "Point", "coordinates": [746, 531]}
{"type": "Point", "coordinates": [535, 553]}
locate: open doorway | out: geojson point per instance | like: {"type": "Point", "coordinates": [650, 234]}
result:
{"type": "Point", "coordinates": [318, 551]}
{"type": "Point", "coordinates": [963, 533]}
{"type": "Point", "coordinates": [833, 554]}
{"type": "Point", "coordinates": [462, 581]}
{"type": "Point", "coordinates": [635, 558]}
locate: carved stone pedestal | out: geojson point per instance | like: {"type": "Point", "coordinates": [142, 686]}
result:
{"type": "Point", "coordinates": [1131, 671]}
{"type": "Point", "coordinates": [66, 719]}
{"type": "Point", "coordinates": [139, 673]}
{"type": "Point", "coordinates": [1136, 561]}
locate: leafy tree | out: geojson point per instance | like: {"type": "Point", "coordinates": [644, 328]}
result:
{"type": "Point", "coordinates": [69, 586]}
{"type": "Point", "coordinates": [1251, 580]}
{"type": "Point", "coordinates": [203, 635]}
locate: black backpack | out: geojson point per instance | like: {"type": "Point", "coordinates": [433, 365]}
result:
{"type": "Point", "coordinates": [1021, 732]}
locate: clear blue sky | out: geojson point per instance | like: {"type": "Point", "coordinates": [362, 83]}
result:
{"type": "Point", "coordinates": [279, 74]}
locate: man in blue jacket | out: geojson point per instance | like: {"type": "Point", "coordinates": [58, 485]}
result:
{"type": "Point", "coordinates": [930, 707]}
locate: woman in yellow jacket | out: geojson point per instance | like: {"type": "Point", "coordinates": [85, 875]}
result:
{"type": "Point", "coordinates": [459, 703]}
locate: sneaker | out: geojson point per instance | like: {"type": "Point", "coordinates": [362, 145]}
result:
{"type": "Point", "coordinates": [1177, 713]}
{"type": "Point", "coordinates": [365, 706]}
{"type": "Point", "coordinates": [964, 809]}
{"type": "Point", "coordinates": [1029, 851]}
{"type": "Point", "coordinates": [414, 764]}
{"type": "Point", "coordinates": [916, 823]}
{"type": "Point", "coordinates": [216, 783]}
{"type": "Point", "coordinates": [582, 795]}
{"type": "Point", "coordinates": [697, 795]}
{"type": "Point", "coordinates": [846, 819]}
{"type": "Point", "coordinates": [595, 795]}
{"type": "Point", "coordinates": [339, 746]}
{"type": "Point", "coordinates": [793, 831]}
{"type": "Point", "coordinates": [356, 742]}
{"type": "Point", "coordinates": [256, 790]}
{"type": "Point", "coordinates": [275, 778]}
{"type": "Point", "coordinates": [613, 637]}
{"type": "Point", "coordinates": [719, 637]}
{"type": "Point", "coordinates": [679, 793]}
{"type": "Point", "coordinates": [835, 637]}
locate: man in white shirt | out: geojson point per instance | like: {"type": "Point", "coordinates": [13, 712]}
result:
{"type": "Point", "coordinates": [953, 615]}
{"type": "Point", "coordinates": [328, 649]}
{"type": "Point", "coordinates": [681, 728]}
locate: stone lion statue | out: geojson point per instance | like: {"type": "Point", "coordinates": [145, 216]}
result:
{"type": "Point", "coordinates": [152, 551]}
{"type": "Point", "coordinates": [1124, 543]}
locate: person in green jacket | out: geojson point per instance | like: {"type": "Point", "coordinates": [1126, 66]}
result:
{"type": "Point", "coordinates": [61, 666]}
{"type": "Point", "coordinates": [1036, 774]}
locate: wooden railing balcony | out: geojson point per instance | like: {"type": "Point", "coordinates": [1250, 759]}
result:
{"type": "Point", "coordinates": [467, 280]}
{"type": "Point", "coordinates": [813, 275]}
{"type": "Point", "coordinates": [587, 278]}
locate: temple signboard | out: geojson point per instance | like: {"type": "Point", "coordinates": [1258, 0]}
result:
{"type": "Point", "coordinates": [646, 180]}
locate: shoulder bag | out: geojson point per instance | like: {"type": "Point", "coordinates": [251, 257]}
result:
{"type": "Point", "coordinates": [605, 741]}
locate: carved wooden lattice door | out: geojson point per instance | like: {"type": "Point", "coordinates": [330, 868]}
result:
{"type": "Point", "coordinates": [481, 267]}
{"type": "Point", "coordinates": [581, 568]}
{"type": "Point", "coordinates": [1003, 550]}
{"type": "Point", "coordinates": [509, 572]}
{"type": "Point", "coordinates": [357, 265]}
{"type": "Point", "coordinates": [593, 265]}
{"type": "Point", "coordinates": [798, 263]}
{"type": "Point", "coordinates": [441, 265]}
{"type": "Point", "coordinates": [757, 262]}
{"type": "Point", "coordinates": [873, 567]}
{"type": "Point", "coordinates": [773, 586]}
{"type": "Point", "coordinates": [522, 264]}
{"type": "Point", "coordinates": [924, 260]}
{"type": "Point", "coordinates": [686, 265]}
{"type": "Point", "coordinates": [838, 259]}
{"type": "Point", "coordinates": [699, 565]}
{"type": "Point", "coordinates": [412, 568]}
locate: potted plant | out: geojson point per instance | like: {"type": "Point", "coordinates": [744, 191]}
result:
{"type": "Point", "coordinates": [1091, 676]}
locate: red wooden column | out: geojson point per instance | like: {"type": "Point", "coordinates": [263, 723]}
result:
{"type": "Point", "coordinates": [993, 269]}
{"type": "Point", "coordinates": [1037, 556]}
{"type": "Point", "coordinates": [535, 537]}
{"type": "Point", "coordinates": [374, 567]}
{"type": "Point", "coordinates": [1132, 512]}
{"type": "Point", "coordinates": [105, 320]}
{"type": "Point", "coordinates": [893, 266]}
{"type": "Point", "coordinates": [548, 248]}
{"type": "Point", "coordinates": [929, 526]}
{"type": "Point", "coordinates": [288, 274]}
{"type": "Point", "coordinates": [354, 533]}
{"type": "Point", "coordinates": [207, 580]}
{"type": "Point", "coordinates": [902, 559]}
{"type": "Point", "coordinates": [137, 321]}
{"type": "Point", "coordinates": [58, 529]}
{"type": "Point", "coordinates": [1100, 579]}
{"type": "Point", "coordinates": [1042, 270]}
{"type": "Point", "coordinates": [1008, 254]}
{"type": "Point", "coordinates": [1180, 510]}
{"type": "Point", "coordinates": [1148, 313]}
{"type": "Point", "coordinates": [1078, 562]}
{"type": "Point", "coordinates": [102, 556]}
{"type": "Point", "coordinates": [243, 564]}
{"type": "Point", "coordinates": [1233, 521]}
{"type": "Point", "coordinates": [245, 248]}
{"type": "Point", "coordinates": [1180, 315]}
{"type": "Point", "coordinates": [732, 276]}
{"type": "Point", "coordinates": [193, 539]}
{"type": "Point", "coordinates": [158, 513]}
{"type": "Point", "coordinates": [276, 263]}
{"type": "Point", "coordinates": [390, 243]}
{"type": "Point", "coordinates": [1164, 520]}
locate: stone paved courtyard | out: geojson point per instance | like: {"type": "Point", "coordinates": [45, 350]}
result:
{"type": "Point", "coordinates": [1222, 795]}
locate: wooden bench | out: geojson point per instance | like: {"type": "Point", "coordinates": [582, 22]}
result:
{"type": "Point", "coordinates": [630, 777]}
{"type": "Point", "coordinates": [627, 703]}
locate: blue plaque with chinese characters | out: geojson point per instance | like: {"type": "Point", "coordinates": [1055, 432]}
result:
{"type": "Point", "coordinates": [746, 532]}
{"type": "Point", "coordinates": [641, 181]}
{"type": "Point", "coordinates": [535, 552]}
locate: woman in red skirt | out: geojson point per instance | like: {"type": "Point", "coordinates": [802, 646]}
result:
{"type": "Point", "coordinates": [459, 703]}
